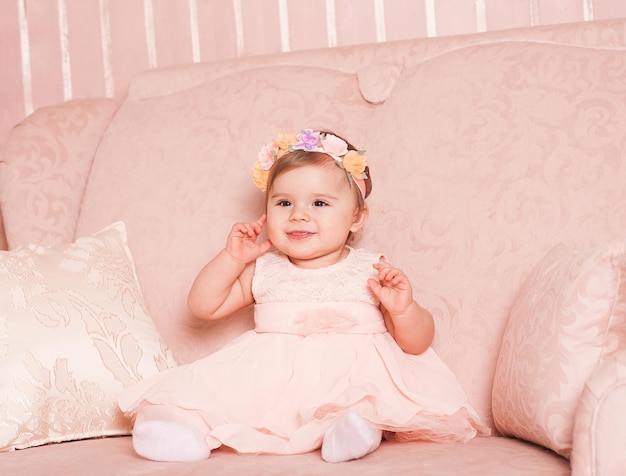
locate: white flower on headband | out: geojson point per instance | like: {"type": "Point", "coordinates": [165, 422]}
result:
{"type": "Point", "coordinates": [334, 146]}
{"type": "Point", "coordinates": [309, 140]}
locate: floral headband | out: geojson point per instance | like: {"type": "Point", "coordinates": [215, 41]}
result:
{"type": "Point", "coordinates": [352, 161]}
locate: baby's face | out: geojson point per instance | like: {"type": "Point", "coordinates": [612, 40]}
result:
{"type": "Point", "coordinates": [310, 212]}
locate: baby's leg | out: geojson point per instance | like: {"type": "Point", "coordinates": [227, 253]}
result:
{"type": "Point", "coordinates": [162, 434]}
{"type": "Point", "coordinates": [350, 437]}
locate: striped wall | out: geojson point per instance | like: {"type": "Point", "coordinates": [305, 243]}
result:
{"type": "Point", "coordinates": [57, 50]}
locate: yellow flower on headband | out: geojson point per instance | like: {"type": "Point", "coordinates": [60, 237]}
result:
{"type": "Point", "coordinates": [283, 141]}
{"type": "Point", "coordinates": [260, 176]}
{"type": "Point", "coordinates": [355, 164]}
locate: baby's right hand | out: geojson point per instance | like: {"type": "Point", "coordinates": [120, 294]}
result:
{"type": "Point", "coordinates": [241, 244]}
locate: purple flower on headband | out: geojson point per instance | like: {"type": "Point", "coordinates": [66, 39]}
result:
{"type": "Point", "coordinates": [308, 140]}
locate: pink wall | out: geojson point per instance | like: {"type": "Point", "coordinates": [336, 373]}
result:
{"type": "Point", "coordinates": [56, 50]}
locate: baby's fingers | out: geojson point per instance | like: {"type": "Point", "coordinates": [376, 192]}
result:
{"type": "Point", "coordinates": [258, 225]}
{"type": "Point", "coordinates": [383, 264]}
{"type": "Point", "coordinates": [251, 230]}
{"type": "Point", "coordinates": [388, 275]}
{"type": "Point", "coordinates": [256, 228]}
{"type": "Point", "coordinates": [375, 286]}
{"type": "Point", "coordinates": [383, 267]}
{"type": "Point", "coordinates": [244, 229]}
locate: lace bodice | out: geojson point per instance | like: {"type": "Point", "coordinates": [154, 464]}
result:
{"type": "Point", "coordinates": [276, 279]}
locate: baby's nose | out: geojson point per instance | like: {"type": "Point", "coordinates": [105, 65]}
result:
{"type": "Point", "coordinates": [299, 214]}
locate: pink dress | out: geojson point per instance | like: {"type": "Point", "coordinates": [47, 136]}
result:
{"type": "Point", "coordinates": [319, 349]}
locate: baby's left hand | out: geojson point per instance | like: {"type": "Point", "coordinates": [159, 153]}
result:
{"type": "Point", "coordinates": [392, 288]}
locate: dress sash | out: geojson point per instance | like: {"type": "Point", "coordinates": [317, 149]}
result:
{"type": "Point", "coordinates": [304, 318]}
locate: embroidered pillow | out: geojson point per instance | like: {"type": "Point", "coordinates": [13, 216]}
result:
{"type": "Point", "coordinates": [567, 319]}
{"type": "Point", "coordinates": [73, 332]}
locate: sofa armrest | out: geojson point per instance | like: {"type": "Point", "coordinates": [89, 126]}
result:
{"type": "Point", "coordinates": [44, 169]}
{"type": "Point", "coordinates": [3, 238]}
{"type": "Point", "coordinates": [599, 443]}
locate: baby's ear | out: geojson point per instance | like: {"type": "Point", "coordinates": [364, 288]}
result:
{"type": "Point", "coordinates": [360, 217]}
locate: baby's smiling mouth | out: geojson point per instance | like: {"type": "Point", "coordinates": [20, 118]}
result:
{"type": "Point", "coordinates": [299, 234]}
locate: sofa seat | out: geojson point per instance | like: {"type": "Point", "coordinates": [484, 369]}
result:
{"type": "Point", "coordinates": [493, 456]}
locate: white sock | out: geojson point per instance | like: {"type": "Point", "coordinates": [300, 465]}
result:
{"type": "Point", "coordinates": [169, 441]}
{"type": "Point", "coordinates": [350, 437]}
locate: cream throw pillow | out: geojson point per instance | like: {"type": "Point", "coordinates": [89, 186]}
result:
{"type": "Point", "coordinates": [74, 331]}
{"type": "Point", "coordinates": [567, 319]}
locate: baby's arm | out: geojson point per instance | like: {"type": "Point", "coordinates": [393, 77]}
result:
{"type": "Point", "coordinates": [411, 325]}
{"type": "Point", "coordinates": [224, 285]}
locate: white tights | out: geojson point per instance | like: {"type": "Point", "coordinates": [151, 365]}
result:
{"type": "Point", "coordinates": [169, 441]}
{"type": "Point", "coordinates": [350, 437]}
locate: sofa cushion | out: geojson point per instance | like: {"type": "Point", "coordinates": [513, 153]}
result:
{"type": "Point", "coordinates": [177, 169]}
{"type": "Point", "coordinates": [567, 319]}
{"type": "Point", "coordinates": [73, 333]}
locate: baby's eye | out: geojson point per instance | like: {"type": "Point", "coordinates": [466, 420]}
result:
{"type": "Point", "coordinates": [320, 203]}
{"type": "Point", "coordinates": [283, 203]}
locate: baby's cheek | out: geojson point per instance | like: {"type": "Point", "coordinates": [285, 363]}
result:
{"type": "Point", "coordinates": [272, 233]}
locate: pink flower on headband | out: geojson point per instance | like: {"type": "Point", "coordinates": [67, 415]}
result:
{"type": "Point", "coordinates": [267, 155]}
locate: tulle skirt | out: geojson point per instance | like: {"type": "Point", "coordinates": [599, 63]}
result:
{"type": "Point", "coordinates": [278, 392]}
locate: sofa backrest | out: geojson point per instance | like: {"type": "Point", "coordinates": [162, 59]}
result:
{"type": "Point", "coordinates": [484, 159]}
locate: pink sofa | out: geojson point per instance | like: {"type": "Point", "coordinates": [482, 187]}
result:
{"type": "Point", "coordinates": [499, 172]}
